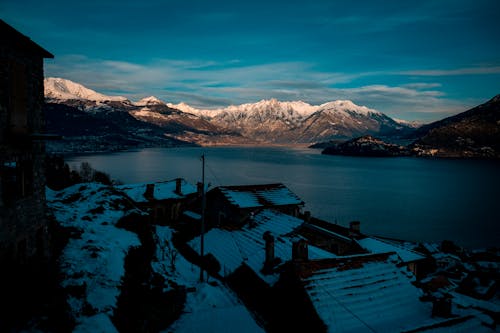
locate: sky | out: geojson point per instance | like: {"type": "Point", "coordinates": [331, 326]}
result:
{"type": "Point", "coordinates": [415, 60]}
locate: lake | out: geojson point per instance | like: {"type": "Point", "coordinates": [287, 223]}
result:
{"type": "Point", "coordinates": [405, 198]}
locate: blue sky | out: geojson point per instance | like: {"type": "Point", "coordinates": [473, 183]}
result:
{"type": "Point", "coordinates": [414, 60]}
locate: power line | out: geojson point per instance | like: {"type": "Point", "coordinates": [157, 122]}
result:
{"type": "Point", "coordinates": [348, 310]}
{"type": "Point", "coordinates": [213, 174]}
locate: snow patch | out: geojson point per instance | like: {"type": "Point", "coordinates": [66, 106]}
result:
{"type": "Point", "coordinates": [151, 100]}
{"type": "Point", "coordinates": [63, 89]}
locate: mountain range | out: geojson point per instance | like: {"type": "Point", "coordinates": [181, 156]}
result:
{"type": "Point", "coordinates": [91, 121]}
{"type": "Point", "coordinates": [265, 122]}
{"type": "Point", "coordinates": [473, 133]}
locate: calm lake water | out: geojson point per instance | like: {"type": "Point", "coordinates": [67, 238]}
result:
{"type": "Point", "coordinates": [405, 198]}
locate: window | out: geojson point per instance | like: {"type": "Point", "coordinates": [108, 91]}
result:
{"type": "Point", "coordinates": [18, 101]}
{"type": "Point", "coordinates": [40, 242]}
{"type": "Point", "coordinates": [21, 250]}
{"type": "Point", "coordinates": [17, 180]}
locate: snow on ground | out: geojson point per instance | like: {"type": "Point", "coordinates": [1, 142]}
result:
{"type": "Point", "coordinates": [209, 308]}
{"type": "Point", "coordinates": [99, 323]}
{"type": "Point", "coordinates": [170, 263]}
{"type": "Point", "coordinates": [93, 263]}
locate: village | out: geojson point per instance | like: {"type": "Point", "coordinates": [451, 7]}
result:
{"type": "Point", "coordinates": [178, 257]}
{"type": "Point", "coordinates": [283, 269]}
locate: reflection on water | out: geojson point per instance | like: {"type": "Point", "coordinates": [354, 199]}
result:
{"type": "Point", "coordinates": [408, 198]}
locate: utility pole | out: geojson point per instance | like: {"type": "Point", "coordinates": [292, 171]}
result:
{"type": "Point", "coordinates": [202, 238]}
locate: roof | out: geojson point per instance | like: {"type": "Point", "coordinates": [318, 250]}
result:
{"type": "Point", "coordinates": [375, 245]}
{"type": "Point", "coordinates": [232, 248]}
{"type": "Point", "coordinates": [365, 293]}
{"type": "Point", "coordinates": [14, 39]}
{"type": "Point", "coordinates": [327, 232]}
{"type": "Point", "coordinates": [162, 191]}
{"type": "Point", "coordinates": [251, 196]}
{"type": "Point", "coordinates": [465, 324]}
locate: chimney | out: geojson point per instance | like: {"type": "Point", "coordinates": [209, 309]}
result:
{"type": "Point", "coordinates": [300, 250]}
{"type": "Point", "coordinates": [441, 306]}
{"type": "Point", "coordinates": [178, 186]}
{"type": "Point", "coordinates": [354, 228]}
{"type": "Point", "coordinates": [199, 188]}
{"type": "Point", "coordinates": [150, 192]}
{"type": "Point", "coordinates": [307, 216]}
{"type": "Point", "coordinates": [269, 261]}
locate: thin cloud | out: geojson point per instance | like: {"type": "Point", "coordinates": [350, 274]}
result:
{"type": "Point", "coordinates": [422, 85]}
{"type": "Point", "coordinates": [208, 84]}
{"type": "Point", "coordinates": [456, 71]}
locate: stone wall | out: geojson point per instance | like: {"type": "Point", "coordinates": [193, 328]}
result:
{"type": "Point", "coordinates": [23, 229]}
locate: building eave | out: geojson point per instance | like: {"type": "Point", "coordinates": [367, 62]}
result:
{"type": "Point", "coordinates": [13, 38]}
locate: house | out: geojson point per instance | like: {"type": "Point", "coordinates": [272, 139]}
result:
{"type": "Point", "coordinates": [332, 237]}
{"type": "Point", "coordinates": [373, 293]}
{"type": "Point", "coordinates": [164, 200]}
{"type": "Point", "coordinates": [262, 245]}
{"type": "Point", "coordinates": [362, 293]}
{"type": "Point", "coordinates": [235, 205]}
{"type": "Point", "coordinates": [23, 226]}
{"type": "Point", "coordinates": [408, 258]}
{"type": "Point", "coordinates": [271, 265]}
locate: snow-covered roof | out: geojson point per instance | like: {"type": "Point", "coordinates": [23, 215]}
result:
{"type": "Point", "coordinates": [246, 245]}
{"type": "Point", "coordinates": [260, 195]}
{"type": "Point", "coordinates": [431, 247]}
{"type": "Point", "coordinates": [162, 190]}
{"type": "Point", "coordinates": [470, 302]}
{"type": "Point", "coordinates": [193, 215]}
{"type": "Point", "coordinates": [214, 309]}
{"type": "Point", "coordinates": [464, 324]}
{"type": "Point", "coordinates": [446, 257]}
{"type": "Point", "coordinates": [366, 293]}
{"type": "Point", "coordinates": [375, 245]}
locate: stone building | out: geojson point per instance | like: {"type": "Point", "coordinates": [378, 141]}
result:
{"type": "Point", "coordinates": [236, 205]}
{"type": "Point", "coordinates": [165, 201]}
{"type": "Point", "coordinates": [23, 227]}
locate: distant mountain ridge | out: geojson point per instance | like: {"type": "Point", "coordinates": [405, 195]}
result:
{"type": "Point", "coordinates": [474, 133]}
{"type": "Point", "coordinates": [267, 121]}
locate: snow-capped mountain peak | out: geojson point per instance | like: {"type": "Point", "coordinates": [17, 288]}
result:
{"type": "Point", "coordinates": [151, 100]}
{"type": "Point", "coordinates": [62, 89]}
{"type": "Point", "coordinates": [269, 106]}
{"type": "Point", "coordinates": [346, 106]}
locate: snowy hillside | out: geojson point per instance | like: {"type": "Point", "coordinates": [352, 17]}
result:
{"type": "Point", "coordinates": [62, 89]}
{"type": "Point", "coordinates": [94, 269]}
{"type": "Point", "coordinates": [93, 260]}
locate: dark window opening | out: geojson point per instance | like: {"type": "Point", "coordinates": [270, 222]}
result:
{"type": "Point", "coordinates": [159, 212]}
{"type": "Point", "coordinates": [40, 242]}
{"type": "Point", "coordinates": [335, 248]}
{"type": "Point", "coordinates": [17, 180]}
{"type": "Point", "coordinates": [21, 250]}
{"type": "Point", "coordinates": [18, 99]}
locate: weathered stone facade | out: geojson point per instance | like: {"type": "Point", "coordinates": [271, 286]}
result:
{"type": "Point", "coordinates": [23, 227]}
